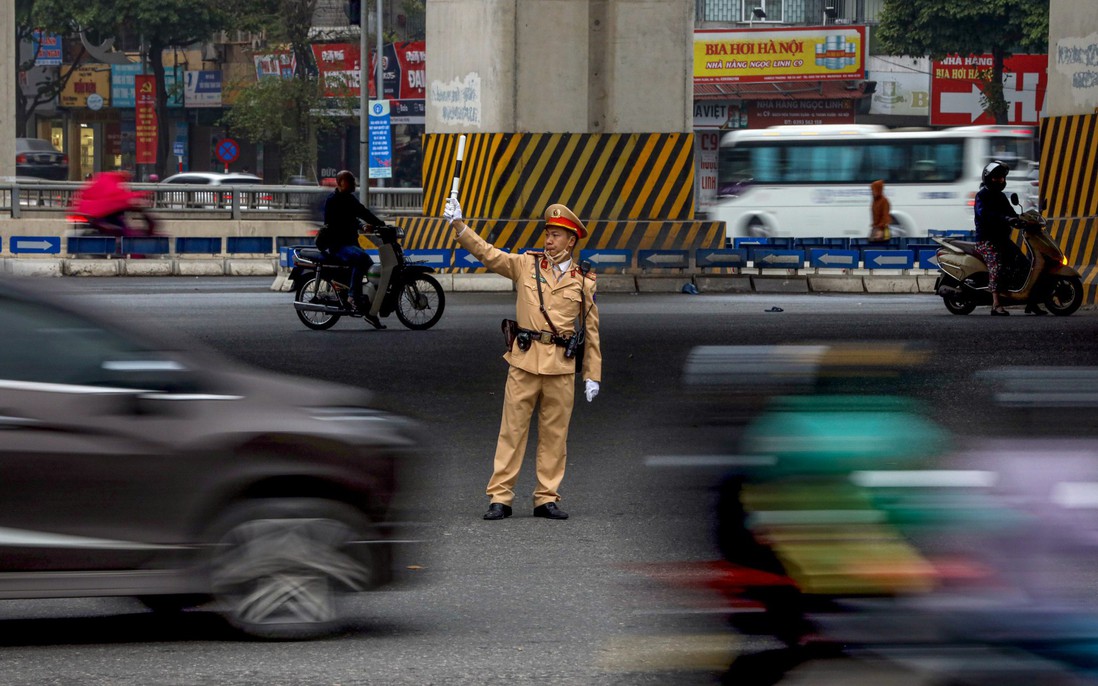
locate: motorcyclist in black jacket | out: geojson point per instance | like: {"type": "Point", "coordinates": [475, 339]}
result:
{"type": "Point", "coordinates": [342, 210]}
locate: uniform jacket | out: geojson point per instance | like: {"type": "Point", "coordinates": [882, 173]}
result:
{"type": "Point", "coordinates": [562, 301]}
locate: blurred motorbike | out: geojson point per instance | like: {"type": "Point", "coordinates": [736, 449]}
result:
{"type": "Point", "coordinates": [322, 284]}
{"type": "Point", "coordinates": [963, 283]}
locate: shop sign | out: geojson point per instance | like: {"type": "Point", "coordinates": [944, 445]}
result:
{"type": "Point", "coordinates": [792, 54]}
{"type": "Point", "coordinates": [86, 80]}
{"type": "Point", "coordinates": [47, 49]}
{"type": "Point", "coordinates": [202, 88]}
{"type": "Point", "coordinates": [408, 111]}
{"type": "Point", "coordinates": [123, 79]}
{"type": "Point", "coordinates": [956, 95]}
{"type": "Point", "coordinates": [764, 113]}
{"type": "Point", "coordinates": [282, 63]}
{"type": "Point", "coordinates": [339, 69]}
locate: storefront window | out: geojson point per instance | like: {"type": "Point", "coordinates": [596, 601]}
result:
{"type": "Point", "coordinates": [87, 149]}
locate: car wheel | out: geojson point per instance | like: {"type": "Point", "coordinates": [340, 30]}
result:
{"type": "Point", "coordinates": [756, 228]}
{"type": "Point", "coordinates": [280, 569]}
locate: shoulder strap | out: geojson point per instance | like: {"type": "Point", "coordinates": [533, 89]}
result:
{"type": "Point", "coordinates": [541, 298]}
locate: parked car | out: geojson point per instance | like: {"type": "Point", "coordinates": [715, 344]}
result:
{"type": "Point", "coordinates": [132, 467]}
{"type": "Point", "coordinates": [213, 199]}
{"type": "Point", "coordinates": [37, 157]}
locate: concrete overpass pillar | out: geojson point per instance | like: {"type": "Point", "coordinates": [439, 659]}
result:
{"type": "Point", "coordinates": [8, 85]}
{"type": "Point", "coordinates": [560, 66]}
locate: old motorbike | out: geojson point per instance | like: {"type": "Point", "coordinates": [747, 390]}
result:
{"type": "Point", "coordinates": [322, 285]}
{"type": "Point", "coordinates": [1049, 279]}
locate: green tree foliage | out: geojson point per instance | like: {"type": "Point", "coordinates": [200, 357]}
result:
{"type": "Point", "coordinates": [28, 18]}
{"type": "Point", "coordinates": [161, 23]}
{"type": "Point", "coordinates": [965, 27]}
{"type": "Point", "coordinates": [286, 113]}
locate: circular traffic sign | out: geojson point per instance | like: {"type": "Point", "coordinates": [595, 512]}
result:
{"type": "Point", "coordinates": [228, 150]}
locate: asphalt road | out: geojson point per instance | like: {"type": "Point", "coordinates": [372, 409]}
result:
{"type": "Point", "coordinates": [524, 600]}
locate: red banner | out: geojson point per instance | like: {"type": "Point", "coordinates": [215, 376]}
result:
{"type": "Point", "coordinates": [338, 65]}
{"type": "Point", "coordinates": [955, 95]}
{"type": "Point", "coordinates": [145, 118]}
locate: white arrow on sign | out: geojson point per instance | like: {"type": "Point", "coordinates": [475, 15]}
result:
{"type": "Point", "coordinates": [33, 245]}
{"type": "Point", "coordinates": [882, 260]}
{"type": "Point", "coordinates": [782, 259]}
{"type": "Point", "coordinates": [471, 259]}
{"type": "Point", "coordinates": [600, 258]}
{"type": "Point", "coordinates": [963, 103]}
{"type": "Point", "coordinates": [828, 258]}
{"type": "Point", "coordinates": [663, 259]}
{"type": "Point", "coordinates": [722, 258]}
{"type": "Point", "coordinates": [425, 259]}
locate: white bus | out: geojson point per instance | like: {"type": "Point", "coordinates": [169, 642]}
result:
{"type": "Point", "coordinates": [813, 181]}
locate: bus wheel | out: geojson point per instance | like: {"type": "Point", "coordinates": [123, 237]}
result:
{"type": "Point", "coordinates": [756, 228]}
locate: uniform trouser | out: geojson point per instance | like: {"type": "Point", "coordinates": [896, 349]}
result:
{"type": "Point", "coordinates": [523, 391]}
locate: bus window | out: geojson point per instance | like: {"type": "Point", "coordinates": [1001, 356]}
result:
{"type": "Point", "coordinates": [1016, 152]}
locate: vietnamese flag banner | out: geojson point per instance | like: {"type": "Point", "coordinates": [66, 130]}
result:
{"type": "Point", "coordinates": [145, 117]}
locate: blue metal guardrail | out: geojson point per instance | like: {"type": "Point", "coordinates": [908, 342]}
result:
{"type": "Point", "coordinates": [917, 253]}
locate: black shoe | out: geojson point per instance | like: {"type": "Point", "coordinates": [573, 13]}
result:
{"type": "Point", "coordinates": [374, 321]}
{"type": "Point", "coordinates": [999, 312]}
{"type": "Point", "coordinates": [1035, 309]}
{"type": "Point", "coordinates": [497, 511]}
{"type": "Point", "coordinates": [550, 511]}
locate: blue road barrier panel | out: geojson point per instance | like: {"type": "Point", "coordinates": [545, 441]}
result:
{"type": "Point", "coordinates": [834, 258]}
{"type": "Point", "coordinates": [294, 241]}
{"type": "Point", "coordinates": [770, 258]}
{"type": "Point", "coordinates": [439, 259]}
{"type": "Point", "coordinates": [196, 245]}
{"type": "Point", "coordinates": [928, 258]}
{"type": "Point", "coordinates": [235, 245]}
{"type": "Point", "coordinates": [706, 259]}
{"type": "Point", "coordinates": [146, 245]}
{"type": "Point", "coordinates": [663, 259]}
{"type": "Point", "coordinates": [888, 259]}
{"type": "Point", "coordinates": [603, 260]}
{"type": "Point", "coordinates": [463, 259]}
{"type": "Point", "coordinates": [92, 245]}
{"type": "Point", "coordinates": [807, 243]}
{"type": "Point", "coordinates": [42, 245]}
{"type": "Point", "coordinates": [746, 241]}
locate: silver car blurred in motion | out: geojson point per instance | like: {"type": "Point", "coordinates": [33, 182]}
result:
{"type": "Point", "coordinates": [130, 467]}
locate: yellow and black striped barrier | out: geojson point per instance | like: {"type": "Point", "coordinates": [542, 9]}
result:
{"type": "Point", "coordinates": [598, 176]}
{"type": "Point", "coordinates": [1069, 191]}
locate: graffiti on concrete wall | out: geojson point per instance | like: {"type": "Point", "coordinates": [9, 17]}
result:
{"type": "Point", "coordinates": [458, 102]}
{"type": "Point", "coordinates": [1077, 58]}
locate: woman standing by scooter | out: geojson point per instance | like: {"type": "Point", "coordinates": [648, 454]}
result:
{"type": "Point", "coordinates": [994, 219]}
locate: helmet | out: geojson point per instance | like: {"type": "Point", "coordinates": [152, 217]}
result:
{"type": "Point", "coordinates": [995, 168]}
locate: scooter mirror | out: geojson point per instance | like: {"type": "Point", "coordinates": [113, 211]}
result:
{"type": "Point", "coordinates": [1013, 198]}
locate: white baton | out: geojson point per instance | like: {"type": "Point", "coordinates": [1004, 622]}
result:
{"type": "Point", "coordinates": [457, 167]}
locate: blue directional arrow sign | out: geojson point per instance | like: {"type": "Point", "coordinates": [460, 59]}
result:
{"type": "Point", "coordinates": [431, 258]}
{"type": "Point", "coordinates": [777, 259]}
{"type": "Point", "coordinates": [720, 258]}
{"type": "Point", "coordinates": [888, 259]}
{"type": "Point", "coordinates": [928, 259]}
{"type": "Point", "coordinates": [744, 241]}
{"type": "Point", "coordinates": [839, 259]}
{"type": "Point", "coordinates": [35, 244]}
{"type": "Point", "coordinates": [602, 260]}
{"type": "Point", "coordinates": [463, 259]}
{"type": "Point", "coordinates": [663, 259]}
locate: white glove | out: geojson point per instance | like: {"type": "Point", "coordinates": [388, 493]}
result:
{"type": "Point", "coordinates": [453, 210]}
{"type": "Point", "coordinates": [591, 389]}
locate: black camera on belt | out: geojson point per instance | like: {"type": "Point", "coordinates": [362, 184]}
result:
{"type": "Point", "coordinates": [572, 347]}
{"type": "Point", "coordinates": [523, 339]}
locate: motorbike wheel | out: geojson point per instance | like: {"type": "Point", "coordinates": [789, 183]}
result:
{"type": "Point", "coordinates": [958, 304]}
{"type": "Point", "coordinates": [316, 290]}
{"type": "Point", "coordinates": [1066, 296]}
{"type": "Point", "coordinates": [420, 302]}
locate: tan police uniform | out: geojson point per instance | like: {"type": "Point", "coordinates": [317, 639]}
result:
{"type": "Point", "coordinates": [542, 372]}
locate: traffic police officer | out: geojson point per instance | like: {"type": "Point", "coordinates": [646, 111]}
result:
{"type": "Point", "coordinates": [539, 368]}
